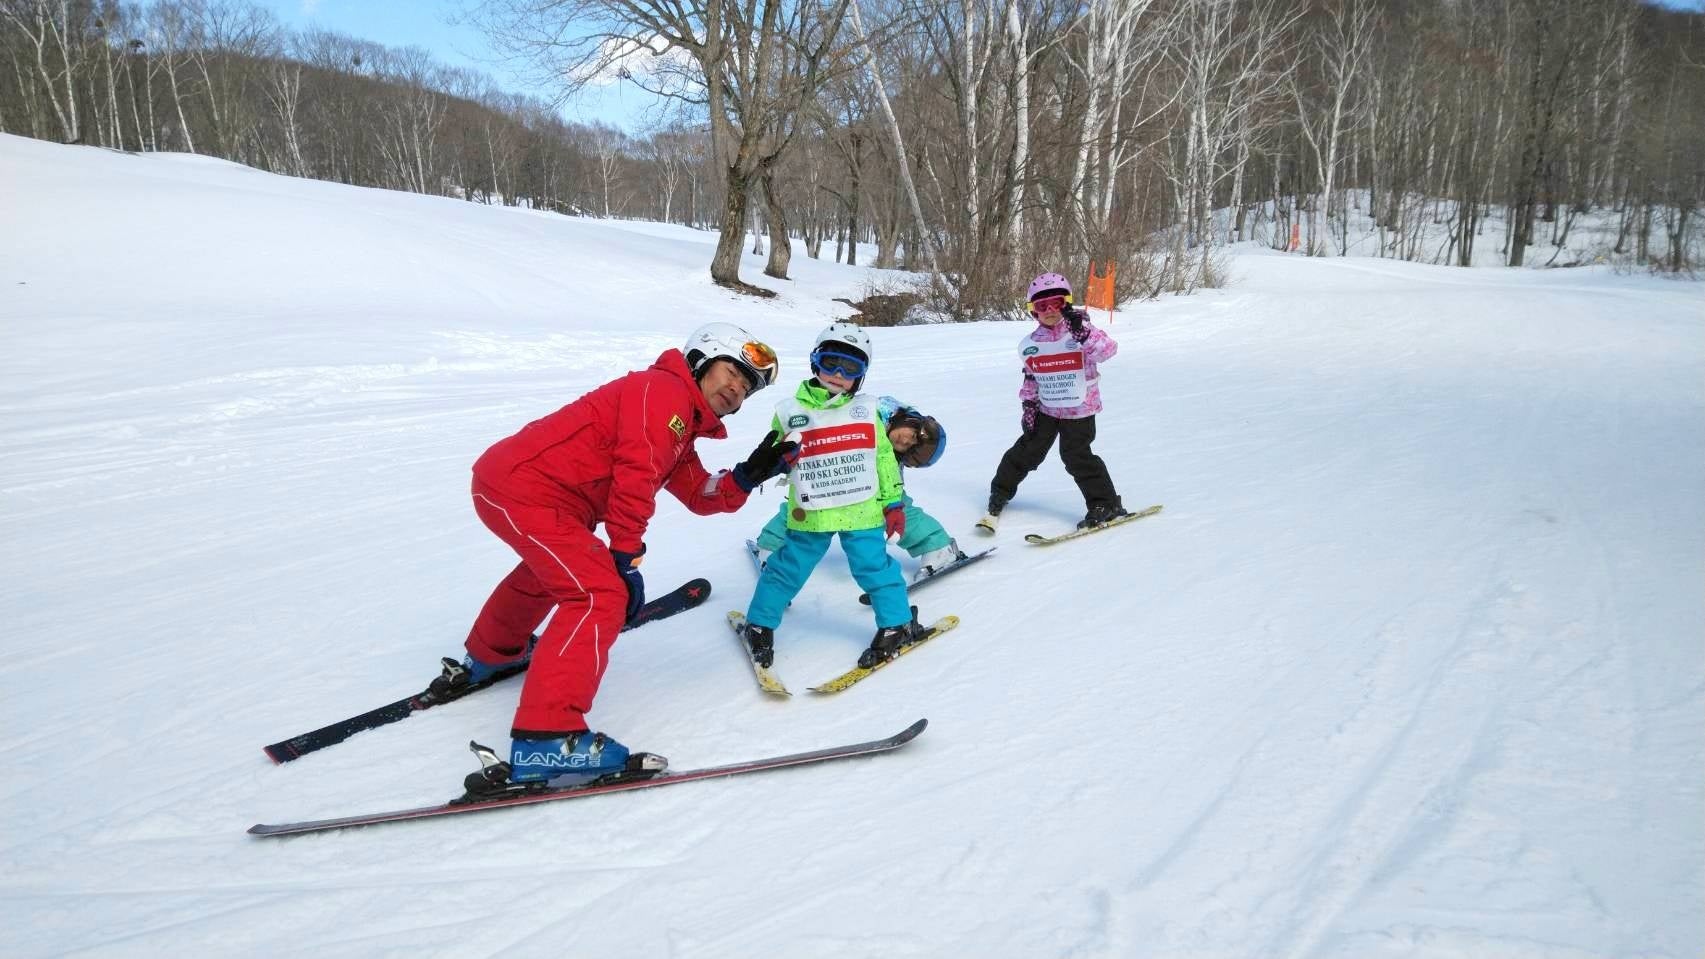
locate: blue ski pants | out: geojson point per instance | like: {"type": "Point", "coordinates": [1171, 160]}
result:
{"type": "Point", "coordinates": [872, 568]}
{"type": "Point", "coordinates": [923, 531]}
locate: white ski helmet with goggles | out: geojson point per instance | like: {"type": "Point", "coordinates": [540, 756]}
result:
{"type": "Point", "coordinates": [839, 342]}
{"type": "Point", "coordinates": [725, 341]}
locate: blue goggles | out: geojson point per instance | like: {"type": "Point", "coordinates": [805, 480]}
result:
{"type": "Point", "coordinates": [838, 364]}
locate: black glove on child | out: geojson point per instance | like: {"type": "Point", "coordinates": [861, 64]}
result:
{"type": "Point", "coordinates": [627, 564]}
{"type": "Point", "coordinates": [1077, 323]}
{"type": "Point", "coordinates": [769, 459]}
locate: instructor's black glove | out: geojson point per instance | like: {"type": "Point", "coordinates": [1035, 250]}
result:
{"type": "Point", "coordinates": [627, 564]}
{"type": "Point", "coordinates": [1031, 408]}
{"type": "Point", "coordinates": [769, 459]}
{"type": "Point", "coordinates": [1077, 323]}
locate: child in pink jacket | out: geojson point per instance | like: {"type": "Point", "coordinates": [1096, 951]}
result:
{"type": "Point", "coordinates": [1061, 395]}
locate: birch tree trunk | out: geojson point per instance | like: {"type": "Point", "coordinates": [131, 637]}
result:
{"type": "Point", "coordinates": [905, 169]}
{"type": "Point", "coordinates": [1018, 37]}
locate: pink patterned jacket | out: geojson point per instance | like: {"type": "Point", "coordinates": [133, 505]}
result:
{"type": "Point", "coordinates": [1097, 349]}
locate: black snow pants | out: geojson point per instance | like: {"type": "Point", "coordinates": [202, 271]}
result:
{"type": "Point", "coordinates": [1075, 436]}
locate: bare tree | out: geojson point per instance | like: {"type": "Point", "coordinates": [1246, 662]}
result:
{"type": "Point", "coordinates": [893, 126]}
{"type": "Point", "coordinates": [608, 146]}
{"type": "Point", "coordinates": [51, 27]}
{"type": "Point", "coordinates": [411, 119]}
{"type": "Point", "coordinates": [284, 93]}
{"type": "Point", "coordinates": [172, 37]}
{"type": "Point", "coordinates": [751, 66]}
{"type": "Point", "coordinates": [667, 150]}
{"type": "Point", "coordinates": [1338, 52]}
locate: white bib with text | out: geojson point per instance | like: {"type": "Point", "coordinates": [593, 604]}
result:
{"type": "Point", "coordinates": [1060, 371]}
{"type": "Point", "coordinates": [837, 452]}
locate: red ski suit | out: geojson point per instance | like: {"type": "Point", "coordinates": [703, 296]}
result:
{"type": "Point", "coordinates": [600, 459]}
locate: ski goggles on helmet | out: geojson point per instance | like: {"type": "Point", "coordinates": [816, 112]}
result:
{"type": "Point", "coordinates": [758, 362]}
{"type": "Point", "coordinates": [839, 364]}
{"type": "Point", "coordinates": [1049, 304]}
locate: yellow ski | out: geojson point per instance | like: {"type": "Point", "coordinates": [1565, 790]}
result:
{"type": "Point", "coordinates": [1037, 539]}
{"type": "Point", "coordinates": [768, 681]}
{"type": "Point", "coordinates": [858, 673]}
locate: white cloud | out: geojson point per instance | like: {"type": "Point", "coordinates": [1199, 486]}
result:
{"type": "Point", "coordinates": [624, 58]}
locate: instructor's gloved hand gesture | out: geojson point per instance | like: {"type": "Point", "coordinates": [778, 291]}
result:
{"type": "Point", "coordinates": [627, 564]}
{"type": "Point", "coordinates": [769, 459]}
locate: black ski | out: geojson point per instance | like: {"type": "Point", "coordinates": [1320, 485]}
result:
{"type": "Point", "coordinates": [549, 794]}
{"type": "Point", "coordinates": [952, 567]}
{"type": "Point", "coordinates": [684, 597]}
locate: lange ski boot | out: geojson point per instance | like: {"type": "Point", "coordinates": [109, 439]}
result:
{"type": "Point", "coordinates": [535, 763]}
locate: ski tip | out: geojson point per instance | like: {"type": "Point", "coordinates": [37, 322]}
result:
{"type": "Point", "coordinates": [275, 753]}
{"type": "Point", "coordinates": [911, 732]}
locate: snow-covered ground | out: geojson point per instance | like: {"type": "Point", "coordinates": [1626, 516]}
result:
{"type": "Point", "coordinates": [1412, 664]}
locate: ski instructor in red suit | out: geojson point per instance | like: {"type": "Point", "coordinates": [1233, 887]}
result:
{"type": "Point", "coordinates": [601, 459]}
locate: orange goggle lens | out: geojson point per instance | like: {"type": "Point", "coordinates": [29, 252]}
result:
{"type": "Point", "coordinates": [1049, 304]}
{"type": "Point", "coordinates": [762, 361]}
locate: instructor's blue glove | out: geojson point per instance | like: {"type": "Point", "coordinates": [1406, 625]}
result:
{"type": "Point", "coordinates": [627, 564]}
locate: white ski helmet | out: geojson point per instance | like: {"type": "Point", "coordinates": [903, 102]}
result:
{"type": "Point", "coordinates": [725, 341]}
{"type": "Point", "coordinates": [842, 340]}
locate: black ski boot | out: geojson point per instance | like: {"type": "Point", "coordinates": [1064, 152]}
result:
{"type": "Point", "coordinates": [887, 643]}
{"type": "Point", "coordinates": [761, 641]}
{"type": "Point", "coordinates": [1100, 514]}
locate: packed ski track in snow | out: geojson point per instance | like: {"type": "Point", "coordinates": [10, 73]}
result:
{"type": "Point", "coordinates": [1411, 664]}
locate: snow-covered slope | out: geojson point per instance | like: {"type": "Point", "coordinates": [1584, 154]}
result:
{"type": "Point", "coordinates": [1413, 663]}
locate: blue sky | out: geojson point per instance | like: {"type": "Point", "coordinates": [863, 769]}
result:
{"type": "Point", "coordinates": [428, 24]}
